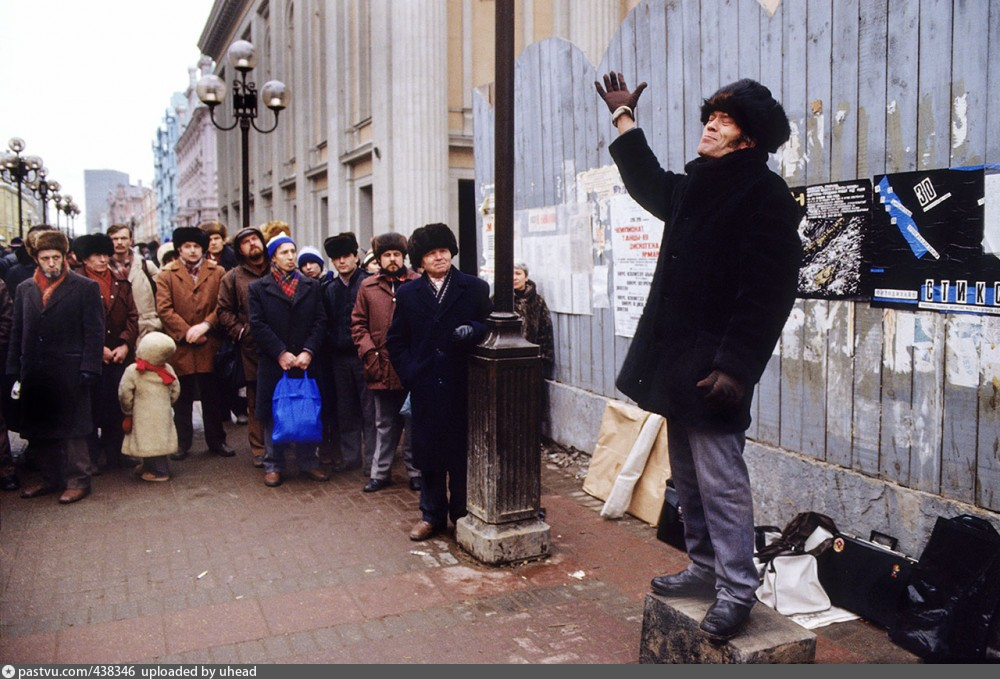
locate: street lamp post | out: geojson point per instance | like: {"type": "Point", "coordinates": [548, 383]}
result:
{"type": "Point", "coordinates": [17, 169]}
{"type": "Point", "coordinates": [211, 90]}
{"type": "Point", "coordinates": [45, 189]}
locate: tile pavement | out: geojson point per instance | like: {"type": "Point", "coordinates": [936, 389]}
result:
{"type": "Point", "coordinates": [214, 567]}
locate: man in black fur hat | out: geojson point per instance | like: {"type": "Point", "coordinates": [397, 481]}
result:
{"type": "Point", "coordinates": [353, 403]}
{"type": "Point", "coordinates": [439, 318]}
{"type": "Point", "coordinates": [724, 284]}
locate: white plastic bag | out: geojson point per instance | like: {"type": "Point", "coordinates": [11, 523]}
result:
{"type": "Point", "coordinates": [791, 585]}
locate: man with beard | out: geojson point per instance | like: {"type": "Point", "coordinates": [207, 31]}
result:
{"type": "Point", "coordinates": [369, 326]}
{"type": "Point", "coordinates": [353, 402]}
{"type": "Point", "coordinates": [121, 331]}
{"type": "Point", "coordinates": [187, 295]}
{"type": "Point", "coordinates": [234, 315]}
{"type": "Point", "coordinates": [140, 273]}
{"type": "Point", "coordinates": [56, 350]}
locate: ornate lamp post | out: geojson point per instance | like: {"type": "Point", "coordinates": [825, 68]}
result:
{"type": "Point", "coordinates": [45, 189]}
{"type": "Point", "coordinates": [211, 90]}
{"type": "Point", "coordinates": [19, 170]}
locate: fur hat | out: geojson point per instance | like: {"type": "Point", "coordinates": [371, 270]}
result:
{"type": "Point", "coordinates": [164, 251]}
{"type": "Point", "coordinates": [212, 228]}
{"type": "Point", "coordinates": [277, 242]}
{"type": "Point", "coordinates": [47, 239]}
{"type": "Point", "coordinates": [156, 348]}
{"type": "Point", "coordinates": [309, 254]}
{"type": "Point", "coordinates": [92, 244]}
{"type": "Point", "coordinates": [244, 233]}
{"type": "Point", "coordinates": [189, 234]}
{"type": "Point", "coordinates": [273, 228]}
{"type": "Point", "coordinates": [754, 109]}
{"type": "Point", "coordinates": [345, 243]}
{"type": "Point", "coordinates": [388, 241]}
{"type": "Point", "coordinates": [431, 237]}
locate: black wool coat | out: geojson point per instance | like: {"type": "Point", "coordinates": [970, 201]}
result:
{"type": "Point", "coordinates": [725, 280]}
{"type": "Point", "coordinates": [50, 347]}
{"type": "Point", "coordinates": [434, 367]}
{"type": "Point", "coordinates": [279, 323]}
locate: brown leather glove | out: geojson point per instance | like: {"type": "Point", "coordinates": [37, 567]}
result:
{"type": "Point", "coordinates": [723, 391]}
{"type": "Point", "coordinates": [615, 92]}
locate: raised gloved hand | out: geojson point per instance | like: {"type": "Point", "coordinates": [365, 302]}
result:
{"type": "Point", "coordinates": [88, 378]}
{"type": "Point", "coordinates": [615, 93]}
{"type": "Point", "coordinates": [721, 389]}
{"type": "Point", "coordinates": [462, 334]}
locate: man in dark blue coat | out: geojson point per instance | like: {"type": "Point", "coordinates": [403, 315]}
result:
{"type": "Point", "coordinates": [56, 354]}
{"type": "Point", "coordinates": [287, 321]}
{"type": "Point", "coordinates": [439, 318]}
{"type": "Point", "coordinates": [724, 284]}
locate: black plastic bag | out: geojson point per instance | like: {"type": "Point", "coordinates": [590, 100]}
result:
{"type": "Point", "coordinates": [229, 364]}
{"type": "Point", "coordinates": [953, 593]}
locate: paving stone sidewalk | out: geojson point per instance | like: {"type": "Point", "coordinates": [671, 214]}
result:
{"type": "Point", "coordinates": [214, 567]}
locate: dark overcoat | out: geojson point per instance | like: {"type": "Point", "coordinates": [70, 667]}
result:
{"type": "Point", "coordinates": [433, 366]}
{"type": "Point", "coordinates": [50, 347]}
{"type": "Point", "coordinates": [280, 323]}
{"type": "Point", "coordinates": [725, 280]}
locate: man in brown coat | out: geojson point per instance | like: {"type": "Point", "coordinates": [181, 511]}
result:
{"type": "Point", "coordinates": [121, 332]}
{"type": "Point", "coordinates": [234, 315]}
{"type": "Point", "coordinates": [187, 294]}
{"type": "Point", "coordinates": [369, 324]}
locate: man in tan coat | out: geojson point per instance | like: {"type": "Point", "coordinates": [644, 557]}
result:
{"type": "Point", "coordinates": [187, 294]}
{"type": "Point", "coordinates": [369, 325]}
{"type": "Point", "coordinates": [234, 315]}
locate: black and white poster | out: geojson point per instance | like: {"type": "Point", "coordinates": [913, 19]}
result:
{"type": "Point", "coordinates": [930, 246]}
{"type": "Point", "coordinates": [835, 229]}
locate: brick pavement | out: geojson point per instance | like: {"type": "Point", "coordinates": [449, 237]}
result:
{"type": "Point", "coordinates": [214, 567]}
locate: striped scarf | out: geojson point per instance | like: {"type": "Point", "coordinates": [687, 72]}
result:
{"type": "Point", "coordinates": [288, 282]}
{"type": "Point", "coordinates": [193, 269]}
{"type": "Point", "coordinates": [440, 292]}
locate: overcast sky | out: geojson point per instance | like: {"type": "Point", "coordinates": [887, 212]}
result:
{"type": "Point", "coordinates": [86, 83]}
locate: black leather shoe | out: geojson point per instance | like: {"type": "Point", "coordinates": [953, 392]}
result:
{"type": "Point", "coordinates": [415, 483]}
{"type": "Point", "coordinates": [684, 583]}
{"type": "Point", "coordinates": [180, 455]}
{"type": "Point", "coordinates": [724, 620]}
{"type": "Point", "coordinates": [224, 451]}
{"type": "Point", "coordinates": [10, 482]}
{"type": "Point", "coordinates": [375, 485]}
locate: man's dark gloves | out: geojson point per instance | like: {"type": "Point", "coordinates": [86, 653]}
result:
{"type": "Point", "coordinates": [88, 378]}
{"type": "Point", "coordinates": [461, 334]}
{"type": "Point", "coordinates": [722, 390]}
{"type": "Point", "coordinates": [615, 92]}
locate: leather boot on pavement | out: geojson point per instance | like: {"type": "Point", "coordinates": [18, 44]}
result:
{"type": "Point", "coordinates": [684, 583]}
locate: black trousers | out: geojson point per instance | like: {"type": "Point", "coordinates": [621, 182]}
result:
{"type": "Point", "coordinates": [202, 387]}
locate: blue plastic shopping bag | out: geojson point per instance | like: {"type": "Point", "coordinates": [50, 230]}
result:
{"type": "Point", "coordinates": [296, 407]}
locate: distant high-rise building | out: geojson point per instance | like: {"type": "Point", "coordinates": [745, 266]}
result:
{"type": "Point", "coordinates": [165, 162]}
{"type": "Point", "coordinates": [99, 185]}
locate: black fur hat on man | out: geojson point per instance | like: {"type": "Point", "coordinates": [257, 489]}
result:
{"type": "Point", "coordinates": [48, 239]}
{"type": "Point", "coordinates": [388, 241]}
{"type": "Point", "coordinates": [431, 237]}
{"type": "Point", "coordinates": [189, 234]}
{"type": "Point", "coordinates": [345, 243]}
{"type": "Point", "coordinates": [93, 244]}
{"type": "Point", "coordinates": [754, 109]}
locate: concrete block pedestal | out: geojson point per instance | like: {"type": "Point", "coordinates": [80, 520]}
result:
{"type": "Point", "coordinates": [671, 634]}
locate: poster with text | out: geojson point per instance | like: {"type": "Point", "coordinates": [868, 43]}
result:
{"type": "Point", "coordinates": [928, 246]}
{"type": "Point", "coordinates": [635, 246]}
{"type": "Point", "coordinates": [835, 227]}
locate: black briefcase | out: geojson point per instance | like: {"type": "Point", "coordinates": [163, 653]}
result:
{"type": "Point", "coordinates": [670, 527]}
{"type": "Point", "coordinates": [867, 577]}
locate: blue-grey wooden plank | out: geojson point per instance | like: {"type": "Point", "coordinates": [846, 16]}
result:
{"type": "Point", "coordinates": [747, 65]}
{"type": "Point", "coordinates": [872, 39]}
{"type": "Point", "coordinates": [843, 110]}
{"type": "Point", "coordinates": [693, 87]}
{"type": "Point", "coordinates": [988, 439]}
{"type": "Point", "coordinates": [969, 83]}
{"type": "Point", "coordinates": [672, 91]}
{"type": "Point", "coordinates": [867, 390]}
{"type": "Point", "coordinates": [840, 382]}
{"type": "Point", "coordinates": [960, 398]}
{"type": "Point", "coordinates": [992, 97]}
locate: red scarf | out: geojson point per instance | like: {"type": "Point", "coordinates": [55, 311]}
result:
{"type": "Point", "coordinates": [161, 370]}
{"type": "Point", "coordinates": [288, 282]}
{"type": "Point", "coordinates": [103, 280]}
{"type": "Point", "coordinates": [46, 286]}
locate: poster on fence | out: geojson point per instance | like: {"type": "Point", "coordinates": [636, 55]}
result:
{"type": "Point", "coordinates": [835, 230]}
{"type": "Point", "coordinates": [931, 242]}
{"type": "Point", "coordinates": [635, 246]}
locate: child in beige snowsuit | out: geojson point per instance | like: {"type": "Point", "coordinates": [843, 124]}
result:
{"type": "Point", "coordinates": [147, 392]}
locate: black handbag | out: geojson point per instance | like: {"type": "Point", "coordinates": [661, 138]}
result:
{"type": "Point", "coordinates": [670, 527]}
{"type": "Point", "coordinates": [229, 364]}
{"type": "Point", "coordinates": [954, 593]}
{"type": "Point", "coordinates": [867, 577]}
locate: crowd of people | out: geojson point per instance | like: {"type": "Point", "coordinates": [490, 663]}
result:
{"type": "Point", "coordinates": [109, 345]}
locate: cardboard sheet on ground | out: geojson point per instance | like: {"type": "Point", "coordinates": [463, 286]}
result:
{"type": "Point", "coordinates": [620, 429]}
